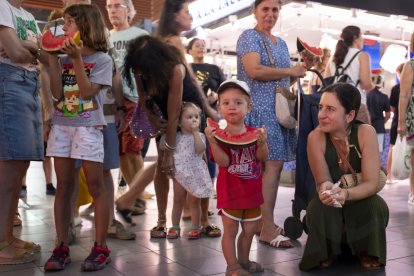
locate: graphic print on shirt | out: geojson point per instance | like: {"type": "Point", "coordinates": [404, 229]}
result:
{"type": "Point", "coordinates": [243, 163]}
{"type": "Point", "coordinates": [72, 105]}
{"type": "Point", "coordinates": [26, 29]}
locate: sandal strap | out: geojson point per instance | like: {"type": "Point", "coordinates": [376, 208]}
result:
{"type": "Point", "coordinates": [276, 241]}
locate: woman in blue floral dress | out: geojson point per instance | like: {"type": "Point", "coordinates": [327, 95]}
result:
{"type": "Point", "coordinates": [254, 67]}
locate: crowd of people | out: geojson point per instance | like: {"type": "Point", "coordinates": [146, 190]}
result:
{"type": "Point", "coordinates": [98, 85]}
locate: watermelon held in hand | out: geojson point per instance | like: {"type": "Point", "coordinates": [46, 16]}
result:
{"type": "Point", "coordinates": [233, 140]}
{"type": "Point", "coordinates": [302, 45]}
{"type": "Point", "coordinates": [52, 44]}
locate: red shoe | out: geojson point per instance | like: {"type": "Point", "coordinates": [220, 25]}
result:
{"type": "Point", "coordinates": [59, 259]}
{"type": "Point", "coordinates": [98, 258]}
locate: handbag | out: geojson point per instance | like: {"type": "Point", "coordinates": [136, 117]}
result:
{"type": "Point", "coordinates": [285, 100]}
{"type": "Point", "coordinates": [285, 107]}
{"type": "Point", "coordinates": [353, 179]}
{"type": "Point", "coordinates": [140, 124]}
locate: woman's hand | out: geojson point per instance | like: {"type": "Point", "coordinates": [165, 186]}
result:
{"type": "Point", "coordinates": [402, 129]}
{"type": "Point", "coordinates": [326, 198]}
{"type": "Point", "coordinates": [298, 70]}
{"type": "Point", "coordinates": [167, 165]}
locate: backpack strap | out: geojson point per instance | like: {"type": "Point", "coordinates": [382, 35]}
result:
{"type": "Point", "coordinates": [343, 69]}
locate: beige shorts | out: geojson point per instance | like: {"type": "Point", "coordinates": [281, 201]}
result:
{"type": "Point", "coordinates": [84, 143]}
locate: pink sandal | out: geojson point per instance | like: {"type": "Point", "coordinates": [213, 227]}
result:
{"type": "Point", "coordinates": [173, 233]}
{"type": "Point", "coordinates": [194, 234]}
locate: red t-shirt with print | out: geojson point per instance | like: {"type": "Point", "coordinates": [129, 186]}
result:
{"type": "Point", "coordinates": [239, 186]}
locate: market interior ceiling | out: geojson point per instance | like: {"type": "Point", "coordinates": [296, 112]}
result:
{"type": "Point", "coordinates": [321, 24]}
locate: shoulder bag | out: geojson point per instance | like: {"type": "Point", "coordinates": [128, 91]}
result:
{"type": "Point", "coordinates": [352, 179]}
{"type": "Point", "coordinates": [140, 124]}
{"type": "Point", "coordinates": [285, 100]}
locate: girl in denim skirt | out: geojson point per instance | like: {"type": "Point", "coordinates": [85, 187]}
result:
{"type": "Point", "coordinates": [21, 139]}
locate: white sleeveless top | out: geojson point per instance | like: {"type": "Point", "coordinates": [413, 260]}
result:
{"type": "Point", "coordinates": [352, 71]}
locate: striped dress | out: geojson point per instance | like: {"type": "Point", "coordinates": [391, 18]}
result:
{"type": "Point", "coordinates": [359, 224]}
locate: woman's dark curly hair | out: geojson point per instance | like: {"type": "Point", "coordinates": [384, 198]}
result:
{"type": "Point", "coordinates": [154, 60]}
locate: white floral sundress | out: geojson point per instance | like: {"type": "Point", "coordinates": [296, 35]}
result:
{"type": "Point", "coordinates": [191, 169]}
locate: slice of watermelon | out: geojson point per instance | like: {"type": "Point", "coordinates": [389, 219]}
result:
{"type": "Point", "coordinates": [302, 45]}
{"type": "Point", "coordinates": [52, 44]}
{"type": "Point", "coordinates": [245, 139]}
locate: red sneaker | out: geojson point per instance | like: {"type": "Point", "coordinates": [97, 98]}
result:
{"type": "Point", "coordinates": [59, 259]}
{"type": "Point", "coordinates": [98, 258]}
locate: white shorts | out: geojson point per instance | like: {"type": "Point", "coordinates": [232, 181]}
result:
{"type": "Point", "coordinates": [85, 143]}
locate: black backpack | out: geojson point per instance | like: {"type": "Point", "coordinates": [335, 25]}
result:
{"type": "Point", "coordinates": [340, 75]}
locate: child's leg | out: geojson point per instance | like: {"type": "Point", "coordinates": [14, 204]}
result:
{"type": "Point", "coordinates": [195, 210]}
{"type": "Point", "coordinates": [179, 201]}
{"type": "Point", "coordinates": [231, 227]}
{"type": "Point", "coordinates": [94, 178]}
{"type": "Point", "coordinates": [65, 174]}
{"type": "Point", "coordinates": [244, 241]}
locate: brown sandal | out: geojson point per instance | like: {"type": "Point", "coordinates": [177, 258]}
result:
{"type": "Point", "coordinates": [28, 246]}
{"type": "Point", "coordinates": [369, 262]}
{"type": "Point", "coordinates": [236, 270]}
{"type": "Point", "coordinates": [17, 221]}
{"type": "Point", "coordinates": [252, 267]}
{"type": "Point", "coordinates": [19, 256]}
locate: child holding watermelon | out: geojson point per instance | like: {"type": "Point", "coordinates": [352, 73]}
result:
{"type": "Point", "coordinates": [191, 175]}
{"type": "Point", "coordinates": [78, 81]}
{"type": "Point", "coordinates": [239, 181]}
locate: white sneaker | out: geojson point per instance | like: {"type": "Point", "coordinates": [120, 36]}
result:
{"type": "Point", "coordinates": [411, 199]}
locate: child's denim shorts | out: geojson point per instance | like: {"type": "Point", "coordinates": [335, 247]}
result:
{"type": "Point", "coordinates": [21, 132]}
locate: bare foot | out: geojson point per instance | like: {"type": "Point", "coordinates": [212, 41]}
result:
{"type": "Point", "coordinates": [369, 262]}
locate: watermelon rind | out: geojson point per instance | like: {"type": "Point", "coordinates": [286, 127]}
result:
{"type": "Point", "coordinates": [302, 45]}
{"type": "Point", "coordinates": [48, 40]}
{"type": "Point", "coordinates": [236, 140]}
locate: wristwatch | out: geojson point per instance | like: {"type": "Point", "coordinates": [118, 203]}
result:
{"type": "Point", "coordinates": [123, 108]}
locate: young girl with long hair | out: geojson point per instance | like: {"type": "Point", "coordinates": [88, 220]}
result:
{"type": "Point", "coordinates": [78, 82]}
{"type": "Point", "coordinates": [191, 179]}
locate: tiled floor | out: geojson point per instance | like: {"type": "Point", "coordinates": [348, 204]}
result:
{"type": "Point", "coordinates": [201, 257]}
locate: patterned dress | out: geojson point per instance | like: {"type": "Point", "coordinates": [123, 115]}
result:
{"type": "Point", "coordinates": [409, 121]}
{"type": "Point", "coordinates": [281, 141]}
{"type": "Point", "coordinates": [191, 169]}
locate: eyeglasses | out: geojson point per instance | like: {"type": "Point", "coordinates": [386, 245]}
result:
{"type": "Point", "coordinates": [115, 6]}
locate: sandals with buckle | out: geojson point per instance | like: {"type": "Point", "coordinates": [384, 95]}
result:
{"type": "Point", "coordinates": [211, 231]}
{"type": "Point", "coordinates": [194, 234]}
{"type": "Point", "coordinates": [158, 232]}
{"type": "Point", "coordinates": [173, 233]}
{"type": "Point", "coordinates": [28, 246]}
{"type": "Point", "coordinates": [236, 270]}
{"type": "Point", "coordinates": [252, 267]}
{"type": "Point", "coordinates": [19, 256]}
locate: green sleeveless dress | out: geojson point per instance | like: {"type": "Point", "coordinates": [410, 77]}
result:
{"type": "Point", "coordinates": [364, 221]}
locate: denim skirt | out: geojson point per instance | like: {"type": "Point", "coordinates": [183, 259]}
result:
{"type": "Point", "coordinates": [21, 132]}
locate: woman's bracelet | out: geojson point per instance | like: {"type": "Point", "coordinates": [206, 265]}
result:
{"type": "Point", "coordinates": [168, 147]}
{"type": "Point", "coordinates": [347, 195]}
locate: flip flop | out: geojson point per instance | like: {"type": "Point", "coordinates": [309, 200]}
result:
{"type": "Point", "coordinates": [276, 242]}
